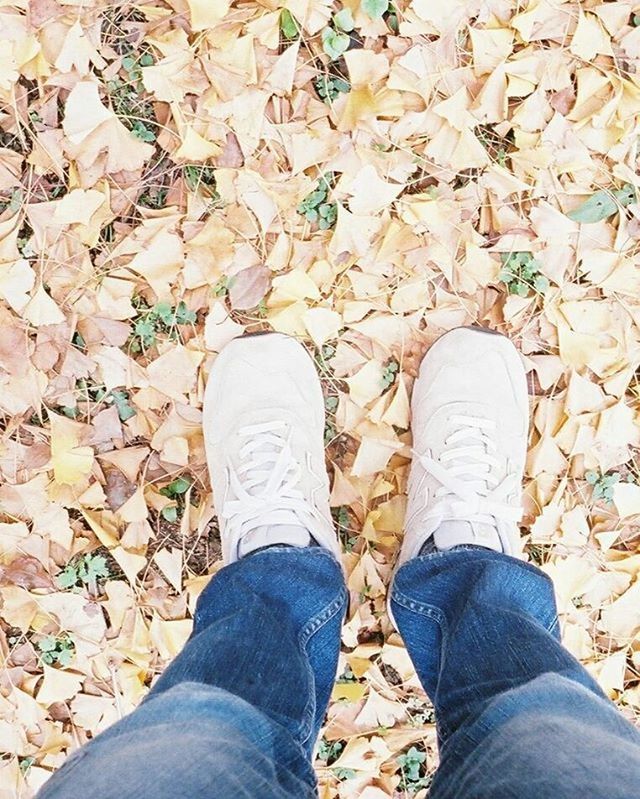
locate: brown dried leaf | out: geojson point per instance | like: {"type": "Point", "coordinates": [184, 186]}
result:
{"type": "Point", "coordinates": [248, 287]}
{"type": "Point", "coordinates": [26, 572]}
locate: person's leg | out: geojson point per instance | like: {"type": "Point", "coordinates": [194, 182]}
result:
{"type": "Point", "coordinates": [518, 717]}
{"type": "Point", "coordinates": [267, 624]}
{"type": "Point", "coordinates": [238, 712]}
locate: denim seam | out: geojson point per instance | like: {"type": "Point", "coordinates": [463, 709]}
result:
{"type": "Point", "coordinates": [318, 621]}
{"type": "Point", "coordinates": [436, 615]}
{"type": "Point", "coordinates": [420, 607]}
{"type": "Point", "coordinates": [308, 631]}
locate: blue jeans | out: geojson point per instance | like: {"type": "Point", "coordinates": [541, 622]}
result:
{"type": "Point", "coordinates": [238, 712]}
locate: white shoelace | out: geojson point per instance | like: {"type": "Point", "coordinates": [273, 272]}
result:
{"type": "Point", "coordinates": [264, 485]}
{"type": "Point", "coordinates": [469, 489]}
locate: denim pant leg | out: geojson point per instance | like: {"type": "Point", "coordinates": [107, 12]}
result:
{"type": "Point", "coordinates": [238, 712]}
{"type": "Point", "coordinates": [518, 717]}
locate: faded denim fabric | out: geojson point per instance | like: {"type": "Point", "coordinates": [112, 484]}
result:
{"type": "Point", "coordinates": [237, 714]}
{"type": "Point", "coordinates": [518, 717]}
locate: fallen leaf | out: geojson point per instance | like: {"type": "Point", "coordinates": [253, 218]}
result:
{"type": "Point", "coordinates": [58, 686]}
{"type": "Point", "coordinates": [170, 564]}
{"type": "Point", "coordinates": [26, 572]}
{"type": "Point", "coordinates": [322, 324]}
{"type": "Point", "coordinates": [220, 328]}
{"type": "Point", "coordinates": [626, 498]}
{"type": "Point", "coordinates": [174, 372]}
{"type": "Point", "coordinates": [379, 712]}
{"type": "Point", "coordinates": [248, 287]}
{"type": "Point", "coordinates": [71, 462]}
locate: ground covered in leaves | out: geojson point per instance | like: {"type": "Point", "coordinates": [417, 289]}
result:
{"type": "Point", "coordinates": [364, 176]}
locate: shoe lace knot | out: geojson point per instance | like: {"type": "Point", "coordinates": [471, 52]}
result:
{"type": "Point", "coordinates": [468, 472]}
{"type": "Point", "coordinates": [264, 486]}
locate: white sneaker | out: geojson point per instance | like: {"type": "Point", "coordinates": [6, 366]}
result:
{"type": "Point", "coordinates": [470, 422]}
{"type": "Point", "coordinates": [263, 421]}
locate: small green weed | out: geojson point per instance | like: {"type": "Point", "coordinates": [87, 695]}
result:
{"type": "Point", "coordinates": [121, 401]}
{"type": "Point", "coordinates": [331, 404]}
{"type": "Point", "coordinates": [412, 765]}
{"type": "Point", "coordinates": [79, 342]}
{"type": "Point", "coordinates": [328, 352]}
{"type": "Point", "coordinates": [128, 100]}
{"type": "Point", "coordinates": [261, 309]}
{"type": "Point", "coordinates": [154, 197]}
{"type": "Point", "coordinates": [343, 774]}
{"type": "Point", "coordinates": [603, 204]}
{"type": "Point", "coordinates": [200, 177]}
{"type": "Point", "coordinates": [389, 373]}
{"type": "Point", "coordinates": [496, 146]}
{"type": "Point", "coordinates": [316, 208]}
{"type": "Point", "coordinates": [88, 394]}
{"type": "Point", "coordinates": [420, 714]}
{"type": "Point", "coordinates": [162, 318]}
{"type": "Point", "coordinates": [328, 752]}
{"type": "Point", "coordinates": [107, 234]}
{"type": "Point", "coordinates": [392, 18]}
{"type": "Point", "coordinates": [330, 87]}
{"type": "Point", "coordinates": [175, 490]}
{"type": "Point", "coordinates": [347, 676]}
{"type": "Point", "coordinates": [322, 358]}
{"type": "Point", "coordinates": [335, 37]}
{"type": "Point", "coordinates": [375, 8]}
{"type": "Point", "coordinates": [142, 131]}
{"type": "Point", "coordinates": [60, 649]}
{"type": "Point", "coordinates": [334, 42]}
{"type": "Point", "coordinates": [521, 274]}
{"type": "Point", "coordinates": [330, 430]}
{"type": "Point", "coordinates": [421, 719]}
{"type": "Point", "coordinates": [25, 764]}
{"type": "Point", "coordinates": [602, 484]}
{"type": "Point", "coordinates": [132, 65]}
{"type": "Point", "coordinates": [13, 203]}
{"type": "Point", "coordinates": [221, 288]}
{"type": "Point", "coordinates": [84, 571]}
{"type": "Point", "coordinates": [343, 524]}
{"type": "Point", "coordinates": [176, 487]}
{"type": "Point", "coordinates": [289, 26]}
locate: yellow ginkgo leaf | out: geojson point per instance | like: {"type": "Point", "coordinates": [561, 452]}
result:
{"type": "Point", "coordinates": [206, 14]}
{"type": "Point", "coordinates": [16, 281]}
{"type": "Point", "coordinates": [322, 324]}
{"type": "Point", "coordinates": [42, 310]}
{"type": "Point", "coordinates": [58, 685]}
{"type": "Point", "coordinates": [71, 462]}
{"type": "Point", "coordinates": [367, 383]}
{"type": "Point", "coordinates": [195, 147]}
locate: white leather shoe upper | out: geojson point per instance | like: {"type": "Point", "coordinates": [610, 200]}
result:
{"type": "Point", "coordinates": [470, 422]}
{"type": "Point", "coordinates": [263, 421]}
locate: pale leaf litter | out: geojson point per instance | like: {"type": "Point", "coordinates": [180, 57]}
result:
{"type": "Point", "coordinates": [173, 175]}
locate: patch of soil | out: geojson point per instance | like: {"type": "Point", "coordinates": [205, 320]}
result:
{"type": "Point", "coordinates": [201, 550]}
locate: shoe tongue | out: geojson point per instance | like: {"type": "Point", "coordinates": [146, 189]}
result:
{"type": "Point", "coordinates": [289, 534]}
{"type": "Point", "coordinates": [454, 533]}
